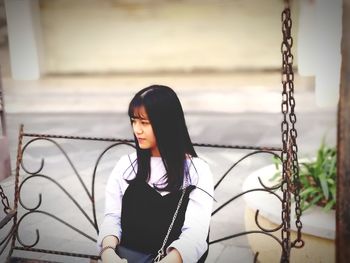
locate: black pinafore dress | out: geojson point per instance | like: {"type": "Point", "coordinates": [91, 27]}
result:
{"type": "Point", "coordinates": [146, 217]}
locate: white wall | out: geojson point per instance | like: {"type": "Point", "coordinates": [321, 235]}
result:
{"type": "Point", "coordinates": [83, 36]}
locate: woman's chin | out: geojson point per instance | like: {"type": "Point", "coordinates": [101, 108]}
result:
{"type": "Point", "coordinates": [143, 147]}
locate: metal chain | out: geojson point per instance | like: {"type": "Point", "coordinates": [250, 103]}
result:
{"type": "Point", "coordinates": [290, 174]}
{"type": "Point", "coordinates": [294, 182]}
{"type": "Point", "coordinates": [295, 185]}
{"type": "Point", "coordinates": [287, 76]}
{"type": "Point", "coordinates": [161, 253]}
{"type": "Point", "coordinates": [4, 201]}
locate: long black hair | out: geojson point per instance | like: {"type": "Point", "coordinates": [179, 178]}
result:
{"type": "Point", "coordinates": [166, 116]}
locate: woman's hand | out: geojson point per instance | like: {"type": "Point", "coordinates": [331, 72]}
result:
{"type": "Point", "coordinates": [109, 256]}
{"type": "Point", "coordinates": [172, 257]}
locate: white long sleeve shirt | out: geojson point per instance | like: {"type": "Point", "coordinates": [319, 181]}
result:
{"type": "Point", "coordinates": [192, 242]}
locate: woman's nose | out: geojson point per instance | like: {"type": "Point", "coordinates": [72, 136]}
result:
{"type": "Point", "coordinates": [137, 129]}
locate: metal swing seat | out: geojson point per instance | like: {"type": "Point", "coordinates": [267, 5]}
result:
{"type": "Point", "coordinates": [25, 174]}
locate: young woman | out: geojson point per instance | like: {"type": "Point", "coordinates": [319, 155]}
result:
{"type": "Point", "coordinates": [144, 188]}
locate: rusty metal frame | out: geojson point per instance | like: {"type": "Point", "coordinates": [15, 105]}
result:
{"type": "Point", "coordinates": [26, 210]}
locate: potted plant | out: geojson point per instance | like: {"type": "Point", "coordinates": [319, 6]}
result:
{"type": "Point", "coordinates": [318, 198]}
{"type": "Point", "coordinates": [317, 178]}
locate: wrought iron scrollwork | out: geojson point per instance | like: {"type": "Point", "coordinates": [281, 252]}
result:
{"type": "Point", "coordinates": [38, 173]}
{"type": "Point", "coordinates": [4, 200]}
{"type": "Point", "coordinates": [267, 189]}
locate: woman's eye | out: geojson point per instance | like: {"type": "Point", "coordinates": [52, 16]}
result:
{"type": "Point", "coordinates": [144, 122]}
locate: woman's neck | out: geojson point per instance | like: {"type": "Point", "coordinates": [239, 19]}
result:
{"type": "Point", "coordinates": [155, 152]}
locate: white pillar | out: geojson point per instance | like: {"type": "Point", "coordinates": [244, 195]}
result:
{"type": "Point", "coordinates": [24, 33]}
{"type": "Point", "coordinates": [319, 40]}
{"type": "Point", "coordinates": [328, 32]}
{"type": "Point", "coordinates": [306, 39]}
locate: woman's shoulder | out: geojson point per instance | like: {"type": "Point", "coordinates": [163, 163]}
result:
{"type": "Point", "coordinates": [127, 159]}
{"type": "Point", "coordinates": [125, 162]}
{"type": "Point", "coordinates": [198, 162]}
{"type": "Point", "coordinates": [131, 157]}
{"type": "Point", "coordinates": [201, 175]}
{"type": "Point", "coordinates": [198, 167]}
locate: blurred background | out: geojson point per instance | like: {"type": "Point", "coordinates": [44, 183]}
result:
{"type": "Point", "coordinates": [222, 57]}
{"type": "Point", "coordinates": [71, 67]}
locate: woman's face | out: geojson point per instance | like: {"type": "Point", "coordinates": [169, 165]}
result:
{"type": "Point", "coordinates": [143, 131]}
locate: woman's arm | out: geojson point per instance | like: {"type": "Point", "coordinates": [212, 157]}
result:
{"type": "Point", "coordinates": [192, 242]}
{"type": "Point", "coordinates": [111, 222]}
{"type": "Point", "coordinates": [110, 229]}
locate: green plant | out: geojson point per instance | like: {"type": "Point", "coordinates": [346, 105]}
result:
{"type": "Point", "coordinates": [317, 178]}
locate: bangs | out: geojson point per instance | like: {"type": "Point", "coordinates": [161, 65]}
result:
{"type": "Point", "coordinates": [137, 109]}
{"type": "Point", "coordinates": [134, 107]}
{"type": "Point", "coordinates": [139, 113]}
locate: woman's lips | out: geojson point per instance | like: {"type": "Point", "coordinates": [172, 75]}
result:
{"type": "Point", "coordinates": [140, 140]}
